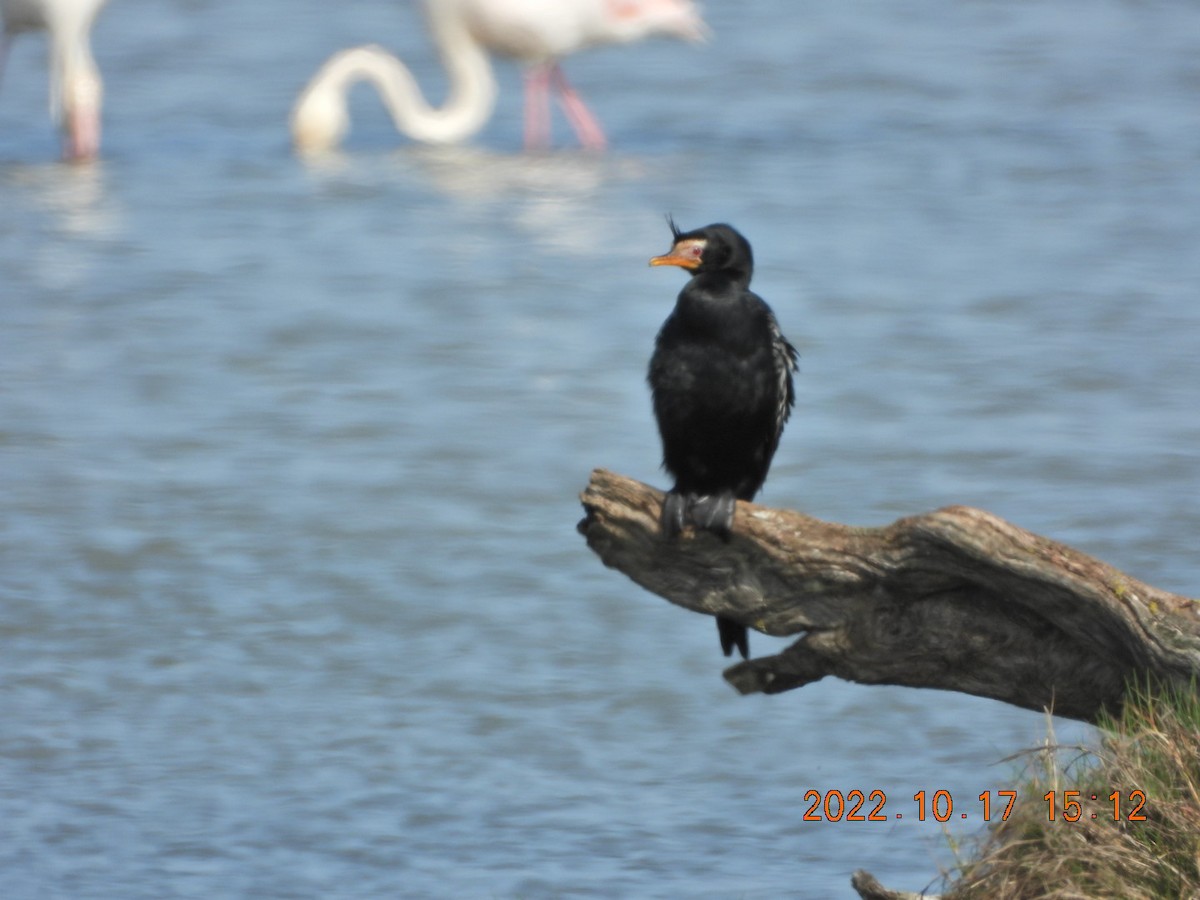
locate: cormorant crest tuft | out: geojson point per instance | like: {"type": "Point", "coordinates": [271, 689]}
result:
{"type": "Point", "coordinates": [675, 232]}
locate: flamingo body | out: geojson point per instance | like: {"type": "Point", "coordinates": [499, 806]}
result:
{"type": "Point", "coordinates": [536, 33]}
{"type": "Point", "coordinates": [76, 90]}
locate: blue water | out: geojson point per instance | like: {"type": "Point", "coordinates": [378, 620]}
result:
{"type": "Point", "coordinates": [291, 599]}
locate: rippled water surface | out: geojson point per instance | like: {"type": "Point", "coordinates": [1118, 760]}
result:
{"type": "Point", "coordinates": [291, 599]}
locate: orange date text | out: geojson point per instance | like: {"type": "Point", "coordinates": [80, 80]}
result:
{"type": "Point", "coordinates": [873, 806]}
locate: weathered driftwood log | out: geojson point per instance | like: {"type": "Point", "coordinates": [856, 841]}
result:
{"type": "Point", "coordinates": [957, 599]}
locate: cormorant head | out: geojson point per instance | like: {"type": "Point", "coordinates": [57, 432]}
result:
{"type": "Point", "coordinates": [713, 248]}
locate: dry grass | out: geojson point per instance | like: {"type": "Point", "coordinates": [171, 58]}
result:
{"type": "Point", "coordinates": [1154, 748]}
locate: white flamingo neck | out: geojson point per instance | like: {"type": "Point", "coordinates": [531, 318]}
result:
{"type": "Point", "coordinates": [74, 77]}
{"type": "Point", "coordinates": [76, 90]}
{"type": "Point", "coordinates": [320, 120]}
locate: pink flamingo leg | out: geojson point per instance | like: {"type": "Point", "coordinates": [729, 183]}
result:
{"type": "Point", "coordinates": [586, 125]}
{"type": "Point", "coordinates": [537, 108]}
{"type": "Point", "coordinates": [82, 135]}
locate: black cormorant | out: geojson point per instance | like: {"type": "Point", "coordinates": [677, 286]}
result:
{"type": "Point", "coordinates": [721, 376]}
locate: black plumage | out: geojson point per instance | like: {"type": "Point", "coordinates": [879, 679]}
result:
{"type": "Point", "coordinates": [721, 378]}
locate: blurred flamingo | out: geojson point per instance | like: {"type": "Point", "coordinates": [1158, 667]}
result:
{"type": "Point", "coordinates": [76, 91]}
{"type": "Point", "coordinates": [537, 33]}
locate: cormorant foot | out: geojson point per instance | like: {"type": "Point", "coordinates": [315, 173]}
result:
{"type": "Point", "coordinates": [714, 512]}
{"type": "Point", "coordinates": [674, 513]}
{"type": "Point", "coordinates": [733, 635]}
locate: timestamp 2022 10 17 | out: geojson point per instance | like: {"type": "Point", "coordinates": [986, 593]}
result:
{"type": "Point", "coordinates": [1061, 805]}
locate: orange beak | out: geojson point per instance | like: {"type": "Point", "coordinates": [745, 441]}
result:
{"type": "Point", "coordinates": [674, 259]}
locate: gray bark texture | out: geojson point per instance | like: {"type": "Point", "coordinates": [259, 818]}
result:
{"type": "Point", "coordinates": [956, 599]}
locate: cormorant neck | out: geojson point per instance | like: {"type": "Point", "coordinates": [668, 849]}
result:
{"type": "Point", "coordinates": [729, 282]}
